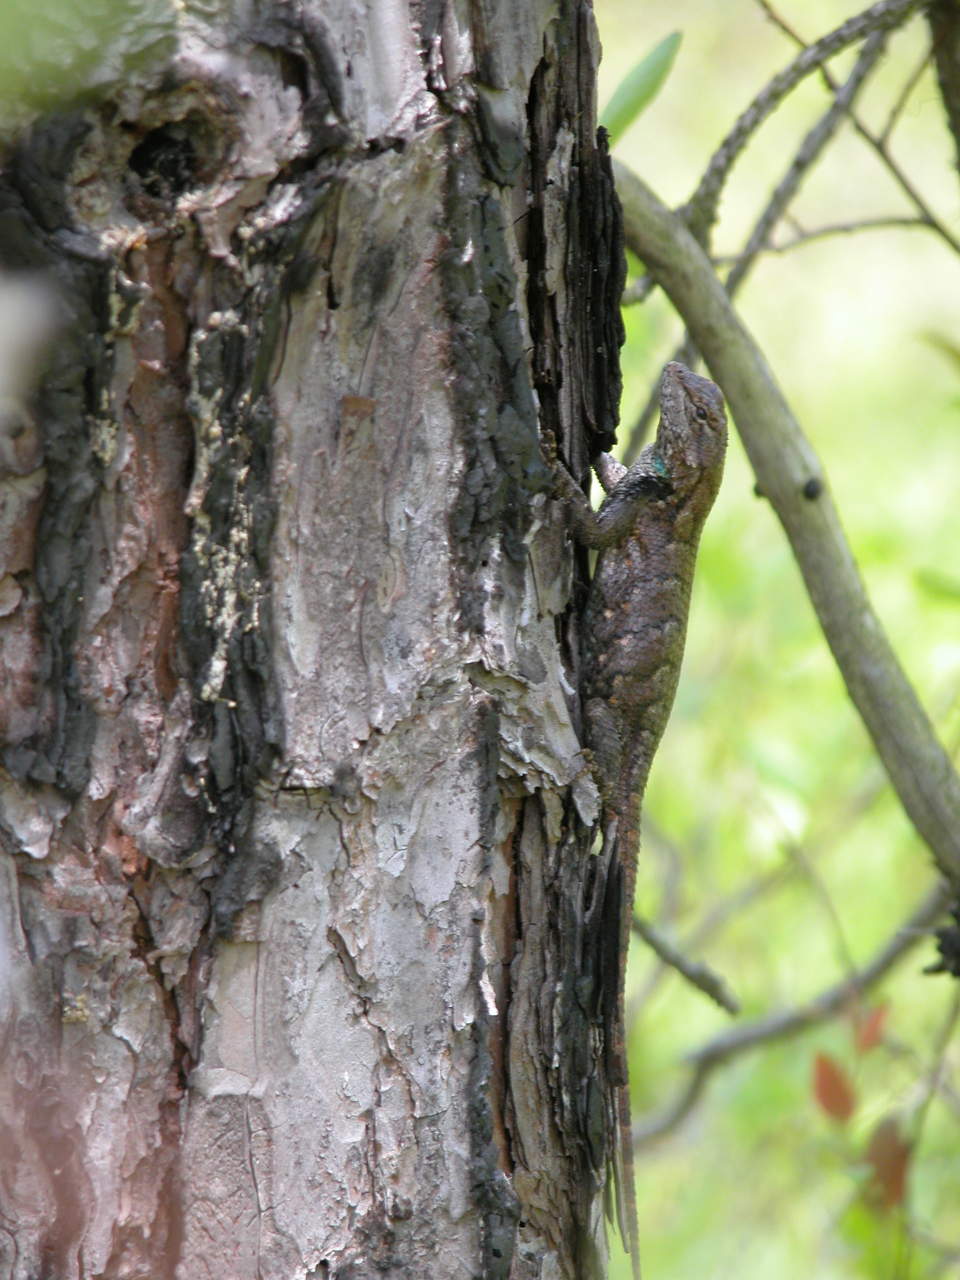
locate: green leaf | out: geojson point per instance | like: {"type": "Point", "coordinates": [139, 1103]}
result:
{"type": "Point", "coordinates": [639, 87]}
{"type": "Point", "coordinates": [937, 583]}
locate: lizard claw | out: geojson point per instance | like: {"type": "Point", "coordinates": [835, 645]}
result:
{"type": "Point", "coordinates": [564, 485]}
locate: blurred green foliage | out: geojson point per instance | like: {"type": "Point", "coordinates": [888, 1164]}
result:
{"type": "Point", "coordinates": [767, 810]}
{"type": "Point", "coordinates": [55, 52]}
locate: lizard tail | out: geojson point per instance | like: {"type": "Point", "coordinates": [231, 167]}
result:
{"type": "Point", "coordinates": [625, 1180]}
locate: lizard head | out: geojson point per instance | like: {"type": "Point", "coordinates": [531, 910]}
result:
{"type": "Point", "coordinates": [692, 436]}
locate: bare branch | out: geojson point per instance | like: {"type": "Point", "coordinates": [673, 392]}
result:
{"type": "Point", "coordinates": [697, 974]}
{"type": "Point", "coordinates": [637, 290]}
{"type": "Point", "coordinates": [798, 855]}
{"type": "Point", "coordinates": [778, 1026]}
{"type": "Point", "coordinates": [782, 23]}
{"type": "Point", "coordinates": [902, 98]}
{"type": "Point", "coordinates": [791, 475]}
{"type": "Point", "coordinates": [810, 150]}
{"type": "Point", "coordinates": [935, 1071]}
{"type": "Point", "coordinates": [834, 229]}
{"type": "Point", "coordinates": [724, 909]}
{"type": "Point", "coordinates": [658, 1124]}
{"type": "Point", "coordinates": [701, 210]}
{"type": "Point", "coordinates": [877, 141]}
{"type": "Point", "coordinates": [812, 146]}
{"type": "Point", "coordinates": [926, 214]}
{"type": "Point", "coordinates": [789, 1022]}
{"type": "Point", "coordinates": [821, 841]}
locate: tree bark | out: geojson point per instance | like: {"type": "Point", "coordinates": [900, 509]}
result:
{"type": "Point", "coordinates": [300, 933]}
{"type": "Point", "coordinates": [944, 21]}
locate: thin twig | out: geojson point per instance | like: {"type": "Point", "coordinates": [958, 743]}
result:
{"type": "Point", "coordinates": [701, 209]}
{"type": "Point", "coordinates": [832, 229]}
{"type": "Point", "coordinates": [902, 98]}
{"type": "Point", "coordinates": [697, 974]}
{"type": "Point", "coordinates": [800, 858]}
{"type": "Point", "coordinates": [935, 1070]}
{"type": "Point", "coordinates": [878, 142]}
{"type": "Point", "coordinates": [782, 23]}
{"type": "Point", "coordinates": [658, 1124]}
{"type": "Point", "coordinates": [932, 1087]}
{"type": "Point", "coordinates": [810, 150]}
{"type": "Point", "coordinates": [779, 1026]}
{"type": "Point", "coordinates": [902, 1052]}
{"type": "Point", "coordinates": [949, 1252]}
{"type": "Point", "coordinates": [636, 291]}
{"type": "Point", "coordinates": [791, 476]}
{"type": "Point", "coordinates": [820, 841]}
{"type": "Point", "coordinates": [712, 922]}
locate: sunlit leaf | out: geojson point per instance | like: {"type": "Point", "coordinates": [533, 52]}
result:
{"type": "Point", "coordinates": [639, 87]}
{"type": "Point", "coordinates": [832, 1088]}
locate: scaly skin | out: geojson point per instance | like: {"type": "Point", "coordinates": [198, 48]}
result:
{"type": "Point", "coordinates": [635, 623]}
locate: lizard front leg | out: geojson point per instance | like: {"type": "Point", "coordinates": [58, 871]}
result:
{"type": "Point", "coordinates": [629, 490]}
{"type": "Point", "coordinates": [609, 471]}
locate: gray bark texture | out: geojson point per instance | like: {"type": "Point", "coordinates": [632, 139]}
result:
{"type": "Point", "coordinates": [300, 937]}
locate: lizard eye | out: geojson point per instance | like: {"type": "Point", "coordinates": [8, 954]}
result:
{"type": "Point", "coordinates": [700, 413]}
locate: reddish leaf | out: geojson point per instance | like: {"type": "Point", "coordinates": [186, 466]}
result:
{"type": "Point", "coordinates": [888, 1155]}
{"type": "Point", "coordinates": [832, 1088]}
{"type": "Point", "coordinates": [868, 1026]}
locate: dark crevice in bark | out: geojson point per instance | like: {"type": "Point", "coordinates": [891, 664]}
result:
{"type": "Point", "coordinates": [225, 614]}
{"type": "Point", "coordinates": [146, 949]}
{"type": "Point", "coordinates": [601, 260]}
{"type": "Point", "coordinates": [503, 467]}
{"type": "Point", "coordinates": [583, 346]}
{"type": "Point", "coordinates": [495, 1198]}
{"type": "Point", "coordinates": [35, 235]}
{"type": "Point", "coordinates": [160, 1242]}
{"type": "Point", "coordinates": [579, 898]}
{"type": "Point", "coordinates": [307, 61]}
{"type": "Point", "coordinates": [511, 944]}
{"type": "Point", "coordinates": [577, 336]}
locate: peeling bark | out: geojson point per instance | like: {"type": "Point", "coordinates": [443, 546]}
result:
{"type": "Point", "coordinates": [300, 931]}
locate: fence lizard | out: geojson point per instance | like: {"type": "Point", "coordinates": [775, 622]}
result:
{"type": "Point", "coordinates": [634, 627]}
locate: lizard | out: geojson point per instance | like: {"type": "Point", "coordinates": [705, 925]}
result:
{"type": "Point", "coordinates": [646, 530]}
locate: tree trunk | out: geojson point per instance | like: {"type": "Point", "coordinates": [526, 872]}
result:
{"type": "Point", "coordinates": [300, 931]}
{"type": "Point", "coordinates": [944, 20]}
